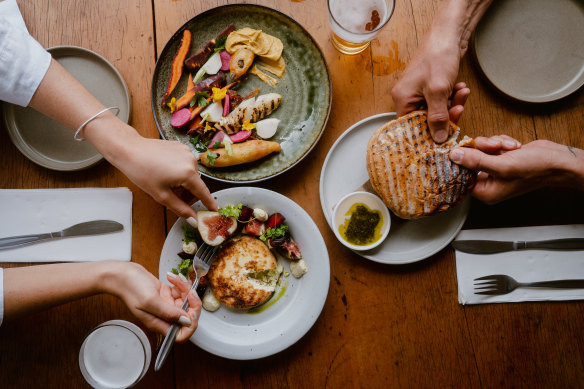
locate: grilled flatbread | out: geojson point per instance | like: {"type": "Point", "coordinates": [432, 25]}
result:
{"type": "Point", "coordinates": [413, 174]}
{"type": "Point", "coordinates": [244, 274]}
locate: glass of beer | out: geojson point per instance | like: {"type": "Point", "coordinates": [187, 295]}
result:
{"type": "Point", "coordinates": [356, 22]}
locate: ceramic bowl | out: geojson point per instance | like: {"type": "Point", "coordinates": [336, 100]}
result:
{"type": "Point", "coordinates": [370, 200]}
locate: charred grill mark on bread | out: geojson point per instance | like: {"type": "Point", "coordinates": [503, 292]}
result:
{"type": "Point", "coordinates": [411, 173]}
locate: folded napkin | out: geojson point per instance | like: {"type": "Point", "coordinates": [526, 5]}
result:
{"type": "Point", "coordinates": [32, 211]}
{"type": "Point", "coordinates": [523, 265]}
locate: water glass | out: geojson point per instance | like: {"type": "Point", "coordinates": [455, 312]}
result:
{"type": "Point", "coordinates": [116, 354]}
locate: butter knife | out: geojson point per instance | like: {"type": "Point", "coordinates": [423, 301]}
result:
{"type": "Point", "coordinates": [495, 246]}
{"type": "Point", "coordinates": [94, 227]}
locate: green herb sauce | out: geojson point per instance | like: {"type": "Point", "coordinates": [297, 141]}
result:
{"type": "Point", "coordinates": [363, 227]}
{"type": "Point", "coordinates": [270, 302]}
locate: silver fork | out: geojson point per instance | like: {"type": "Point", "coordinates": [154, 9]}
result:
{"type": "Point", "coordinates": [497, 284]}
{"type": "Point", "coordinates": [203, 259]}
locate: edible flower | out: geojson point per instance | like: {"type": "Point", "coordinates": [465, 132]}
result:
{"type": "Point", "coordinates": [172, 105]}
{"type": "Point", "coordinates": [219, 94]}
{"type": "Point", "coordinates": [247, 126]}
{"type": "Point", "coordinates": [208, 127]}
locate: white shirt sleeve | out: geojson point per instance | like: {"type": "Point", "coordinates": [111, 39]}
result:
{"type": "Point", "coordinates": [1, 295]}
{"type": "Point", "coordinates": [23, 61]}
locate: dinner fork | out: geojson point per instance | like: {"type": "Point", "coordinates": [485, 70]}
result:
{"type": "Point", "coordinates": [497, 284]}
{"type": "Point", "coordinates": [201, 262]}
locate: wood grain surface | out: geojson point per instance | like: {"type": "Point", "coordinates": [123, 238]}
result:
{"type": "Point", "coordinates": [381, 326]}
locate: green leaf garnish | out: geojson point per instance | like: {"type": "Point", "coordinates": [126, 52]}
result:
{"type": "Point", "coordinates": [200, 99]}
{"type": "Point", "coordinates": [215, 145]}
{"type": "Point", "coordinates": [211, 157]}
{"type": "Point", "coordinates": [184, 266]}
{"type": "Point", "coordinates": [275, 232]}
{"type": "Point", "coordinates": [220, 43]}
{"type": "Point", "coordinates": [200, 145]}
{"type": "Point", "coordinates": [231, 210]}
{"type": "Point", "coordinates": [190, 234]}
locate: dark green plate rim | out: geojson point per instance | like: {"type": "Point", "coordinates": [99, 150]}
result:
{"type": "Point", "coordinates": [178, 34]}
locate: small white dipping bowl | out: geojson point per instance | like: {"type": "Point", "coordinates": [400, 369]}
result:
{"type": "Point", "coordinates": [374, 203]}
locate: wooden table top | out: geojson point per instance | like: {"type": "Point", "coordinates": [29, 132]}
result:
{"type": "Point", "coordinates": [381, 326]}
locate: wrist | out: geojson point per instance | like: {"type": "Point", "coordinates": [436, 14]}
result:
{"type": "Point", "coordinates": [456, 20]}
{"type": "Point", "coordinates": [111, 137]}
{"type": "Point", "coordinates": [109, 277]}
{"type": "Point", "coordinates": [573, 166]}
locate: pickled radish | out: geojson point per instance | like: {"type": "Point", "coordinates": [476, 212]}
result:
{"type": "Point", "coordinates": [225, 58]}
{"type": "Point", "coordinates": [240, 136]}
{"type": "Point", "coordinates": [180, 118]}
{"type": "Point", "coordinates": [217, 138]}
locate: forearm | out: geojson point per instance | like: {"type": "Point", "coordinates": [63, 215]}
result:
{"type": "Point", "coordinates": [455, 21]}
{"type": "Point", "coordinates": [61, 97]}
{"type": "Point", "coordinates": [33, 288]}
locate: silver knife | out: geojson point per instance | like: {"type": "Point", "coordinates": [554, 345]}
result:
{"type": "Point", "coordinates": [94, 227]}
{"type": "Point", "coordinates": [495, 246]}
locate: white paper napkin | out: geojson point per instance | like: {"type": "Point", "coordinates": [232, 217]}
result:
{"type": "Point", "coordinates": [523, 265]}
{"type": "Point", "coordinates": [31, 211]}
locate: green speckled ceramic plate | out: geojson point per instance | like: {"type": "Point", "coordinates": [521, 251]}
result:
{"type": "Point", "coordinates": [305, 87]}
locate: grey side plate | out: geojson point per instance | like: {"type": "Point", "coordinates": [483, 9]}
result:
{"type": "Point", "coordinates": [532, 50]}
{"type": "Point", "coordinates": [50, 144]}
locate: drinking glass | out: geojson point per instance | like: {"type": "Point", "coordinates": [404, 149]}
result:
{"type": "Point", "coordinates": [116, 354]}
{"type": "Point", "coordinates": [356, 22]}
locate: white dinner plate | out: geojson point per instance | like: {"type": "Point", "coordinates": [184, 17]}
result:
{"type": "Point", "coordinates": [239, 335]}
{"type": "Point", "coordinates": [532, 50]}
{"type": "Point", "coordinates": [345, 169]}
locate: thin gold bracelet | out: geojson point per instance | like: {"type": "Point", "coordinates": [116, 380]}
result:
{"type": "Point", "coordinates": [79, 138]}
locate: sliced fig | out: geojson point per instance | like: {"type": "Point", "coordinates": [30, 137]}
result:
{"type": "Point", "coordinates": [286, 246]}
{"type": "Point", "coordinates": [245, 214]}
{"type": "Point", "coordinates": [215, 228]}
{"type": "Point", "coordinates": [254, 227]}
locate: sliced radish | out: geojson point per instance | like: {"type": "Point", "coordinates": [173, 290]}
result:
{"type": "Point", "coordinates": [225, 58]}
{"type": "Point", "coordinates": [240, 136]}
{"type": "Point", "coordinates": [217, 138]}
{"type": "Point", "coordinates": [226, 105]}
{"type": "Point", "coordinates": [212, 66]}
{"type": "Point", "coordinates": [213, 112]}
{"type": "Point", "coordinates": [267, 128]}
{"type": "Point", "coordinates": [180, 118]}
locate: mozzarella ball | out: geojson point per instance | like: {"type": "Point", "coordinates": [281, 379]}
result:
{"type": "Point", "coordinates": [260, 215]}
{"type": "Point", "coordinates": [189, 248]}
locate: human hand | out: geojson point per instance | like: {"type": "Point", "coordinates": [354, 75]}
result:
{"type": "Point", "coordinates": [154, 303]}
{"type": "Point", "coordinates": [159, 166]}
{"type": "Point", "coordinates": [507, 169]}
{"type": "Point", "coordinates": [429, 80]}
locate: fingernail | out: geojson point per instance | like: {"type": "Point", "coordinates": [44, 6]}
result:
{"type": "Point", "coordinates": [193, 222]}
{"type": "Point", "coordinates": [440, 135]}
{"type": "Point", "coordinates": [457, 155]}
{"type": "Point", "coordinates": [510, 144]}
{"type": "Point", "coordinates": [518, 144]}
{"type": "Point", "coordinates": [171, 274]}
{"type": "Point", "coordinates": [184, 321]}
{"type": "Point", "coordinates": [182, 278]}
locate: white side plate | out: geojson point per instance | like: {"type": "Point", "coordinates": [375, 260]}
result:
{"type": "Point", "coordinates": [345, 169]}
